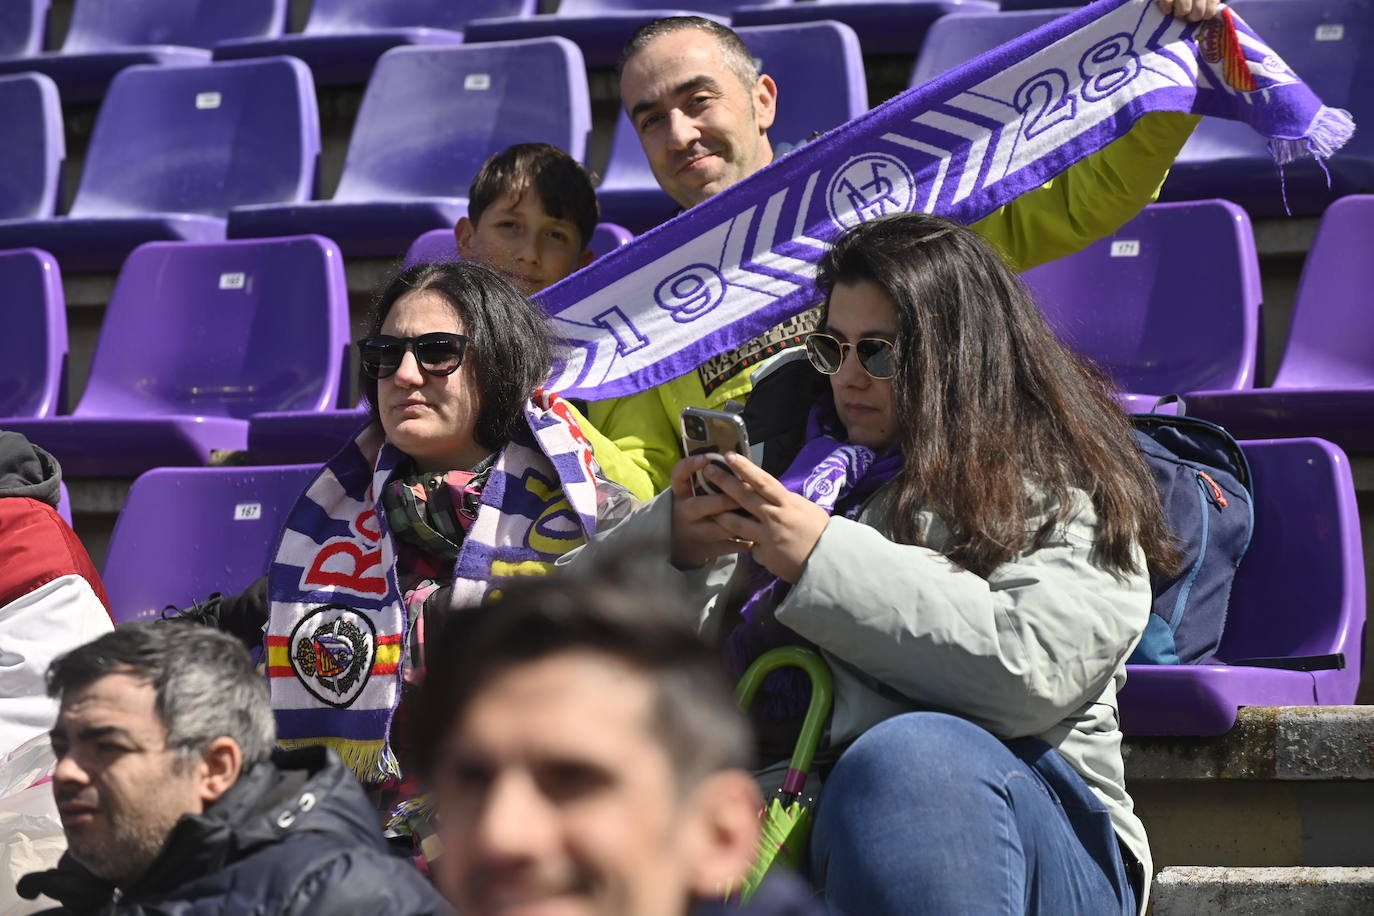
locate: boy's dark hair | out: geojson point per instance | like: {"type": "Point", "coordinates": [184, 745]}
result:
{"type": "Point", "coordinates": [205, 684]}
{"type": "Point", "coordinates": [563, 185]}
{"type": "Point", "coordinates": [694, 716]}
{"type": "Point", "coordinates": [510, 342]}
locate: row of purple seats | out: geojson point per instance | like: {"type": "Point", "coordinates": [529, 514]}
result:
{"type": "Point", "coordinates": [31, 159]}
{"type": "Point", "coordinates": [196, 339]}
{"type": "Point", "coordinates": [1138, 304]}
{"type": "Point", "coordinates": [173, 149]}
{"type": "Point", "coordinates": [883, 26]}
{"type": "Point", "coordinates": [187, 532]}
{"type": "Point", "coordinates": [1325, 381]}
{"type": "Point", "coordinates": [296, 436]}
{"type": "Point", "coordinates": [819, 69]}
{"type": "Point", "coordinates": [342, 39]}
{"type": "Point", "coordinates": [429, 117]}
{"type": "Point", "coordinates": [1330, 44]}
{"type": "Point", "coordinates": [105, 36]}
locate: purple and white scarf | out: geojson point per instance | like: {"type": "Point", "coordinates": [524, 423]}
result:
{"type": "Point", "coordinates": [961, 146]}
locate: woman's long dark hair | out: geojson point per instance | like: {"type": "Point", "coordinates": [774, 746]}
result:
{"type": "Point", "coordinates": [510, 339]}
{"type": "Point", "coordinates": [987, 399]}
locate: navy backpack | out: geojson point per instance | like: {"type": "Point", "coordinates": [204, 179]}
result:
{"type": "Point", "coordinates": [1204, 485]}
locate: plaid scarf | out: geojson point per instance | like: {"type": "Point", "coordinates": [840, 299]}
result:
{"type": "Point", "coordinates": [961, 145]}
{"type": "Point", "coordinates": [339, 616]}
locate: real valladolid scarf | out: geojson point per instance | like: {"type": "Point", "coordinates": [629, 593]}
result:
{"type": "Point", "coordinates": [337, 628]}
{"type": "Point", "coordinates": [961, 146]}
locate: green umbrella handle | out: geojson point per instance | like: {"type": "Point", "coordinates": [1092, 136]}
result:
{"type": "Point", "coordinates": [817, 711]}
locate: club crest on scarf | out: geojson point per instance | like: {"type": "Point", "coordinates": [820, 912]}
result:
{"type": "Point", "coordinates": [332, 653]}
{"type": "Point", "coordinates": [869, 186]}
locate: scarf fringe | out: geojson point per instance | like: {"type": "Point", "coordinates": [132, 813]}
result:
{"type": "Point", "coordinates": [1331, 129]}
{"type": "Point", "coordinates": [372, 761]}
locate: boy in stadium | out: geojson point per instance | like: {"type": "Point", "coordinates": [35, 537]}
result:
{"type": "Point", "coordinates": [531, 214]}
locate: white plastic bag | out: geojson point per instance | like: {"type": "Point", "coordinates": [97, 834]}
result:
{"type": "Point", "coordinates": [31, 837]}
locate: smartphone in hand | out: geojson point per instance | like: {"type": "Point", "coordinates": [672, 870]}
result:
{"type": "Point", "coordinates": [712, 433]}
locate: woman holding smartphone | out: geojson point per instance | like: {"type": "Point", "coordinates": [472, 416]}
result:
{"type": "Point", "coordinates": [965, 533]}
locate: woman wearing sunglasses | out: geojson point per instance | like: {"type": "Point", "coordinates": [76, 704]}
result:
{"type": "Point", "coordinates": [964, 531]}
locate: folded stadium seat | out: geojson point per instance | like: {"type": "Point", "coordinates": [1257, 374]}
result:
{"type": "Point", "coordinates": [959, 37]}
{"type": "Point", "coordinates": [883, 26]}
{"type": "Point", "coordinates": [599, 27]}
{"type": "Point", "coordinates": [21, 27]}
{"type": "Point", "coordinates": [1331, 44]}
{"type": "Point", "coordinates": [1169, 303]}
{"type": "Point", "coordinates": [33, 349]}
{"type": "Point", "coordinates": [187, 532]}
{"type": "Point", "coordinates": [197, 338]}
{"type": "Point", "coordinates": [429, 118]}
{"type": "Point", "coordinates": [64, 502]}
{"type": "Point", "coordinates": [1012, 6]}
{"type": "Point", "coordinates": [105, 36]}
{"type": "Point", "coordinates": [820, 76]}
{"type": "Point", "coordinates": [1298, 603]}
{"type": "Point", "coordinates": [173, 149]}
{"type": "Point", "coordinates": [1325, 381]}
{"type": "Point", "coordinates": [293, 436]}
{"type": "Point", "coordinates": [342, 39]}
{"type": "Point", "coordinates": [31, 158]}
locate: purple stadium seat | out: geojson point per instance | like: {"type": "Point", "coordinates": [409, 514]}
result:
{"type": "Point", "coordinates": [197, 338]}
{"type": "Point", "coordinates": [1325, 383]}
{"type": "Point", "coordinates": [959, 37]}
{"type": "Point", "coordinates": [31, 158]}
{"type": "Point", "coordinates": [342, 39]}
{"type": "Point", "coordinates": [287, 437]}
{"type": "Point", "coordinates": [883, 26]}
{"type": "Point", "coordinates": [1170, 303]}
{"type": "Point", "coordinates": [173, 149]}
{"type": "Point", "coordinates": [187, 532]}
{"type": "Point", "coordinates": [64, 503]}
{"type": "Point", "coordinates": [33, 349]}
{"type": "Point", "coordinates": [105, 36]}
{"type": "Point", "coordinates": [1300, 591]}
{"type": "Point", "coordinates": [21, 27]}
{"type": "Point", "coordinates": [820, 77]}
{"type": "Point", "coordinates": [1011, 6]}
{"type": "Point", "coordinates": [1331, 44]}
{"type": "Point", "coordinates": [599, 27]}
{"type": "Point", "coordinates": [429, 118]}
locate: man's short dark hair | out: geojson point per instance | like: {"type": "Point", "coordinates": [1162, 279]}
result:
{"type": "Point", "coordinates": [694, 716]}
{"type": "Point", "coordinates": [737, 55]}
{"type": "Point", "coordinates": [204, 683]}
{"type": "Point", "coordinates": [563, 185]}
{"type": "Point", "coordinates": [510, 339]}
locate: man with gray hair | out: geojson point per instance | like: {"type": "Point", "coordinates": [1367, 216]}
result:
{"type": "Point", "coordinates": [173, 800]}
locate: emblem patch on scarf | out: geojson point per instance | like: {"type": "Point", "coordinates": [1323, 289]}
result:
{"type": "Point", "coordinates": [332, 650]}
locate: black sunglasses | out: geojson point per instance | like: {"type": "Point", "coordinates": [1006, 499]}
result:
{"type": "Point", "coordinates": [439, 353]}
{"type": "Point", "coordinates": [878, 357]}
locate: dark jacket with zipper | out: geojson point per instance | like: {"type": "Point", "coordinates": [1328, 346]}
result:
{"type": "Point", "coordinates": [292, 836]}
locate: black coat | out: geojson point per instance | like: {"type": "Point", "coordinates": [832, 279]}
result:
{"type": "Point", "coordinates": [295, 836]}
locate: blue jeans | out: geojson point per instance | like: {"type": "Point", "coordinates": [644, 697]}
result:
{"type": "Point", "coordinates": [927, 813]}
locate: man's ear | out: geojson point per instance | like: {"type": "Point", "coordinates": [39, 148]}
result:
{"type": "Point", "coordinates": [723, 838]}
{"type": "Point", "coordinates": [462, 236]}
{"type": "Point", "coordinates": [221, 766]}
{"type": "Point", "coordinates": [765, 101]}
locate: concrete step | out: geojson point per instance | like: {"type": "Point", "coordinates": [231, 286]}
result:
{"type": "Point", "coordinates": [1192, 890]}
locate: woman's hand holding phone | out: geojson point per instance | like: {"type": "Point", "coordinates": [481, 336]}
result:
{"type": "Point", "coordinates": [698, 537]}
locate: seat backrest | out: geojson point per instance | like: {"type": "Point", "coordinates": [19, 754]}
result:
{"type": "Point", "coordinates": [1170, 303]}
{"type": "Point", "coordinates": [721, 8]}
{"type": "Point", "coordinates": [820, 71]}
{"type": "Point", "coordinates": [33, 349]}
{"type": "Point", "coordinates": [342, 16]}
{"type": "Point", "coordinates": [1331, 339]}
{"type": "Point", "coordinates": [103, 25]}
{"type": "Point", "coordinates": [187, 532]}
{"type": "Point", "coordinates": [1300, 589]}
{"type": "Point", "coordinates": [21, 27]}
{"type": "Point", "coordinates": [431, 115]}
{"type": "Point", "coordinates": [957, 38]}
{"type": "Point", "coordinates": [31, 156]}
{"type": "Point", "coordinates": [202, 139]}
{"type": "Point", "coordinates": [1330, 44]}
{"type": "Point", "coordinates": [224, 329]}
